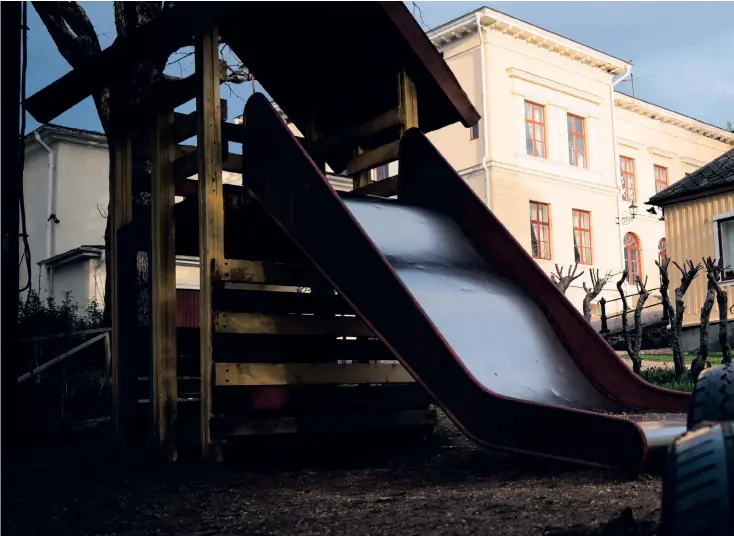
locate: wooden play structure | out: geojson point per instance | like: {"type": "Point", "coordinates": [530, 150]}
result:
{"type": "Point", "coordinates": [267, 346]}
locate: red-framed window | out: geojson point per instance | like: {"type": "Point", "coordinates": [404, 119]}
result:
{"type": "Point", "coordinates": [474, 132]}
{"type": "Point", "coordinates": [629, 184]}
{"type": "Point", "coordinates": [662, 250]}
{"type": "Point", "coordinates": [632, 257]}
{"type": "Point", "coordinates": [576, 141]}
{"type": "Point", "coordinates": [582, 236]}
{"type": "Point", "coordinates": [381, 173]}
{"type": "Point", "coordinates": [540, 230]}
{"type": "Point", "coordinates": [535, 129]}
{"type": "Point", "coordinates": [661, 178]}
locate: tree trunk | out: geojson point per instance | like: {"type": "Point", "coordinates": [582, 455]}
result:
{"type": "Point", "coordinates": [586, 306]}
{"type": "Point", "coordinates": [703, 349]}
{"type": "Point", "coordinates": [633, 354]}
{"type": "Point", "coordinates": [636, 360]}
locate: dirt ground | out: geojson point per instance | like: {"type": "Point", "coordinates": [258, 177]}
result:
{"type": "Point", "coordinates": [443, 486]}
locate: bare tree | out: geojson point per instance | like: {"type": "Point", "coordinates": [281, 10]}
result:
{"type": "Point", "coordinates": [597, 285]}
{"type": "Point", "coordinates": [714, 273]}
{"type": "Point", "coordinates": [76, 39]}
{"type": "Point", "coordinates": [562, 282]}
{"type": "Point", "coordinates": [633, 342]}
{"type": "Point", "coordinates": [688, 274]}
{"type": "Point", "coordinates": [702, 355]}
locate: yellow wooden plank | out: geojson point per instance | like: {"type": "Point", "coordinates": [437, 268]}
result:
{"type": "Point", "coordinates": [408, 100]}
{"type": "Point", "coordinates": [163, 288]}
{"type": "Point", "coordinates": [373, 158]}
{"type": "Point", "coordinates": [267, 324]}
{"type": "Point", "coordinates": [251, 374]}
{"type": "Point", "coordinates": [211, 207]}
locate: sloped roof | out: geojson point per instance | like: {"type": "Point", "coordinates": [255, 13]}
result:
{"type": "Point", "coordinates": [717, 175]}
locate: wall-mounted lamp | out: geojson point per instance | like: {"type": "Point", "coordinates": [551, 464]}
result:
{"type": "Point", "coordinates": [633, 212]}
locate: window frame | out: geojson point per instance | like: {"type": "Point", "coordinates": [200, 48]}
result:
{"type": "Point", "coordinates": [630, 278]}
{"type": "Point", "coordinates": [375, 171]}
{"type": "Point", "coordinates": [656, 173]}
{"type": "Point", "coordinates": [581, 230]}
{"type": "Point", "coordinates": [541, 223]}
{"type": "Point", "coordinates": [623, 172]}
{"type": "Point", "coordinates": [472, 136]}
{"type": "Point", "coordinates": [574, 135]}
{"type": "Point", "coordinates": [533, 122]}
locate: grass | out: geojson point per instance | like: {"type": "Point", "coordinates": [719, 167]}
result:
{"type": "Point", "coordinates": [665, 377]}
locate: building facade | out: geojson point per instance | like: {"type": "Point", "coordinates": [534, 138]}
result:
{"type": "Point", "coordinates": [559, 155]}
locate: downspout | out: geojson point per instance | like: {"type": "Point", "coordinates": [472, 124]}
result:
{"type": "Point", "coordinates": [617, 169]}
{"type": "Point", "coordinates": [50, 222]}
{"type": "Point", "coordinates": [485, 127]}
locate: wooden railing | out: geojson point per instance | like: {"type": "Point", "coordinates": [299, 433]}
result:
{"type": "Point", "coordinates": [604, 318]}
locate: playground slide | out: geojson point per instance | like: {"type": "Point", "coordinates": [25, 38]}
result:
{"type": "Point", "coordinates": [462, 305]}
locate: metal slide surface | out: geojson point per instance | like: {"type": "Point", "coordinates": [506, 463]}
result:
{"type": "Point", "coordinates": [462, 305]}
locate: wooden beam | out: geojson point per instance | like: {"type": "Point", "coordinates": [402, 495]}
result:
{"type": "Point", "coordinates": [164, 384]}
{"type": "Point", "coordinates": [360, 133]}
{"type": "Point", "coordinates": [353, 421]}
{"type": "Point", "coordinates": [185, 125]}
{"type": "Point", "coordinates": [165, 34]}
{"type": "Point", "coordinates": [384, 188]}
{"type": "Point", "coordinates": [252, 374]}
{"type": "Point", "coordinates": [122, 214]}
{"type": "Point", "coordinates": [285, 324]}
{"type": "Point", "coordinates": [186, 165]}
{"type": "Point", "coordinates": [211, 208]}
{"type": "Point", "coordinates": [408, 100]}
{"type": "Point", "coordinates": [271, 273]}
{"type": "Point", "coordinates": [373, 158]}
{"type": "Point", "coordinates": [60, 358]}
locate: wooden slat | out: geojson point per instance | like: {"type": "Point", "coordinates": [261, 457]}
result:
{"type": "Point", "coordinates": [186, 125]}
{"type": "Point", "coordinates": [303, 399]}
{"type": "Point", "coordinates": [264, 324]}
{"type": "Point", "coordinates": [273, 273]}
{"type": "Point", "coordinates": [163, 288]}
{"type": "Point", "coordinates": [374, 158]}
{"type": "Point", "coordinates": [384, 188]}
{"type": "Point", "coordinates": [211, 207]}
{"type": "Point", "coordinates": [60, 358]}
{"type": "Point", "coordinates": [232, 348]}
{"type": "Point", "coordinates": [251, 374]}
{"type": "Point", "coordinates": [183, 169]}
{"type": "Point", "coordinates": [379, 420]}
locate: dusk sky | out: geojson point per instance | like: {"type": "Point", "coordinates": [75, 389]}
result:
{"type": "Point", "coordinates": [681, 51]}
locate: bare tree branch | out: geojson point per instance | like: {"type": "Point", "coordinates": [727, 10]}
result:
{"type": "Point", "coordinates": [597, 285]}
{"type": "Point", "coordinates": [564, 281]}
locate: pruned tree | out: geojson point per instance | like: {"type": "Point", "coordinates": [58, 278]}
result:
{"type": "Point", "coordinates": [699, 363]}
{"type": "Point", "coordinates": [714, 272]}
{"type": "Point", "coordinates": [597, 285]}
{"type": "Point", "coordinates": [562, 282]}
{"type": "Point", "coordinates": [76, 39]}
{"type": "Point", "coordinates": [688, 274]}
{"type": "Point", "coordinates": [633, 341]}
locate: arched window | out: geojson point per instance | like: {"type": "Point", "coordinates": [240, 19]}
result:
{"type": "Point", "coordinates": [662, 250]}
{"type": "Point", "coordinates": [632, 257]}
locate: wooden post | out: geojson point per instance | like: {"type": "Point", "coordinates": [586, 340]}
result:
{"type": "Point", "coordinates": [163, 370]}
{"type": "Point", "coordinates": [408, 99]}
{"type": "Point", "coordinates": [211, 208]}
{"type": "Point", "coordinates": [603, 304]}
{"type": "Point", "coordinates": [123, 335]}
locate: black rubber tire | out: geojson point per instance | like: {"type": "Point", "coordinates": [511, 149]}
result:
{"type": "Point", "coordinates": [713, 396]}
{"type": "Point", "coordinates": [698, 485]}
